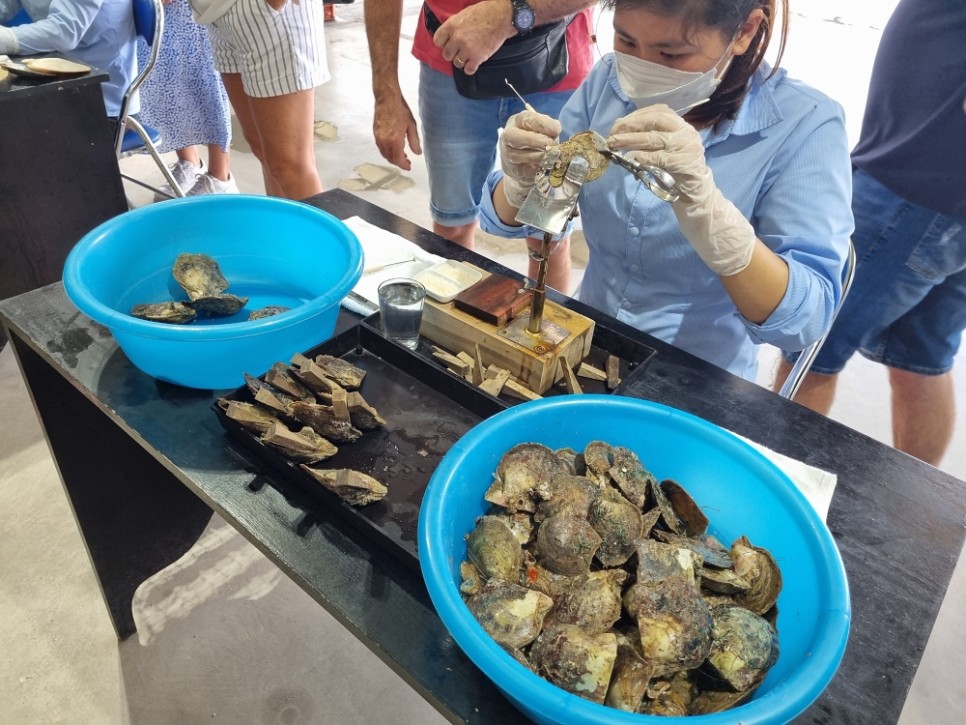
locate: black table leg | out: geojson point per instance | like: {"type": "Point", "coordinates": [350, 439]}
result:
{"type": "Point", "coordinates": [134, 516]}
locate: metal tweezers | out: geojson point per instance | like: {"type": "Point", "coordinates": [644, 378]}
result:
{"type": "Point", "coordinates": [656, 179]}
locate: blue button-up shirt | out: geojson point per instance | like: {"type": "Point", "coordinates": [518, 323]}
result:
{"type": "Point", "coordinates": [783, 161]}
{"type": "Point", "coordinates": [99, 33]}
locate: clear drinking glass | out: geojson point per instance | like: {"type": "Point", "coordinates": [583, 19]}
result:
{"type": "Point", "coordinates": [401, 309]}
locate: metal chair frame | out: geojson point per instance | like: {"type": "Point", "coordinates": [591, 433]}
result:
{"type": "Point", "coordinates": [149, 25]}
{"type": "Point", "coordinates": [801, 367]}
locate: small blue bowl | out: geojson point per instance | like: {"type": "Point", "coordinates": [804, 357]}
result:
{"type": "Point", "coordinates": [741, 492]}
{"type": "Point", "coordinates": [274, 251]}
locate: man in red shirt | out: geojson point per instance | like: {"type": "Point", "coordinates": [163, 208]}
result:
{"type": "Point", "coordinates": [460, 133]}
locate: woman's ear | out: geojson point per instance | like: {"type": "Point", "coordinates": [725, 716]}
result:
{"type": "Point", "coordinates": [747, 31]}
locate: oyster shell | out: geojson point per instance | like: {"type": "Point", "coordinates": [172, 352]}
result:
{"type": "Point", "coordinates": [343, 372]}
{"type": "Point", "coordinates": [322, 419]}
{"type": "Point", "coordinates": [631, 477]}
{"type": "Point", "coordinates": [267, 311]}
{"type": "Point", "coordinates": [305, 446]}
{"type": "Point", "coordinates": [574, 660]}
{"type": "Point", "coordinates": [566, 544]}
{"type": "Point", "coordinates": [618, 522]}
{"type": "Point", "coordinates": [172, 313]}
{"type": "Point", "coordinates": [674, 621]}
{"type": "Point", "coordinates": [523, 475]}
{"type": "Point", "coordinates": [199, 275]}
{"type": "Point", "coordinates": [591, 601]}
{"type": "Point", "coordinates": [494, 550]}
{"type": "Point", "coordinates": [253, 417]}
{"type": "Point", "coordinates": [569, 494]}
{"type": "Point", "coordinates": [353, 487]}
{"type": "Point", "coordinates": [744, 646]}
{"type": "Point", "coordinates": [756, 566]}
{"type": "Point", "coordinates": [598, 459]}
{"type": "Point", "coordinates": [692, 518]}
{"type": "Point", "coordinates": [223, 304]}
{"type": "Point", "coordinates": [511, 614]}
{"type": "Point", "coordinates": [629, 678]}
{"type": "Point", "coordinates": [657, 562]}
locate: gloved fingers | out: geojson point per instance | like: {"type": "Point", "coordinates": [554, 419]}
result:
{"type": "Point", "coordinates": [535, 122]}
{"type": "Point", "coordinates": [650, 118]}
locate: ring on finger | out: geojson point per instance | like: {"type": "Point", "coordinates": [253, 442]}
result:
{"type": "Point", "coordinates": [459, 61]}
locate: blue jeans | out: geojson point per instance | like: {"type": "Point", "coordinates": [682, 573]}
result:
{"type": "Point", "coordinates": [907, 305]}
{"type": "Point", "coordinates": [459, 141]}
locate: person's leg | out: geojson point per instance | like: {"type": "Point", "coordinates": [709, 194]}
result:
{"type": "Point", "coordinates": [284, 126]}
{"type": "Point", "coordinates": [271, 62]}
{"type": "Point", "coordinates": [459, 144]}
{"type": "Point", "coordinates": [817, 391]}
{"type": "Point", "coordinates": [218, 162]}
{"type": "Point", "coordinates": [923, 414]}
{"type": "Point", "coordinates": [239, 101]}
{"type": "Point", "coordinates": [189, 154]}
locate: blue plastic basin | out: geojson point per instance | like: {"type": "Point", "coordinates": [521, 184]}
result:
{"type": "Point", "coordinates": [741, 492]}
{"type": "Point", "coordinates": [275, 251]}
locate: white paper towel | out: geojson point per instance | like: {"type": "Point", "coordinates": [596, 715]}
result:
{"type": "Point", "coordinates": [817, 485]}
{"type": "Point", "coordinates": [387, 255]}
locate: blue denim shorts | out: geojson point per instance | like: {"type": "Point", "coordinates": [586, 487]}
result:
{"type": "Point", "coordinates": [459, 141]}
{"type": "Point", "coordinates": [907, 305]}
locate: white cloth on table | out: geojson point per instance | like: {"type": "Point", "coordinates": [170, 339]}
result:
{"type": "Point", "coordinates": [387, 255]}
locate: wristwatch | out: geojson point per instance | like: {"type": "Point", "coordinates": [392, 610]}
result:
{"type": "Point", "coordinates": [523, 16]}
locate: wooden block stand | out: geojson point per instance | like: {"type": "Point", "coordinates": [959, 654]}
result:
{"type": "Point", "coordinates": [456, 330]}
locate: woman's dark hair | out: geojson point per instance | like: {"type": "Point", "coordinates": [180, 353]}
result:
{"type": "Point", "coordinates": [727, 16]}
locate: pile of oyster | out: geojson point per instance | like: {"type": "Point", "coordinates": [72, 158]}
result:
{"type": "Point", "coordinates": [303, 410]}
{"type": "Point", "coordinates": [200, 276]}
{"type": "Point", "coordinates": [605, 582]}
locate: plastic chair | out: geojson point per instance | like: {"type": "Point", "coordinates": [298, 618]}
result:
{"type": "Point", "coordinates": [796, 375]}
{"type": "Point", "coordinates": [133, 136]}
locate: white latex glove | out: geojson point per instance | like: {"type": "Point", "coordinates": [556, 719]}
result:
{"type": "Point", "coordinates": [9, 45]}
{"type": "Point", "coordinates": [657, 136]}
{"type": "Point", "coordinates": [522, 143]}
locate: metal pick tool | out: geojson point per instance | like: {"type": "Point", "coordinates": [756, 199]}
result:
{"type": "Point", "coordinates": [517, 94]}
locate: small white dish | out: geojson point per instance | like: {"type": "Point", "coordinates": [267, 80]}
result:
{"type": "Point", "coordinates": [445, 280]}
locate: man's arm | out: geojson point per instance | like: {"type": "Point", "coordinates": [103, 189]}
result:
{"type": "Point", "coordinates": [393, 123]}
{"type": "Point", "coordinates": [477, 32]}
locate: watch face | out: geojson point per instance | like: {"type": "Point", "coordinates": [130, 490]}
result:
{"type": "Point", "coordinates": [523, 18]}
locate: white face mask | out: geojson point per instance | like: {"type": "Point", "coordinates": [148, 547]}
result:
{"type": "Point", "coordinates": [647, 83]}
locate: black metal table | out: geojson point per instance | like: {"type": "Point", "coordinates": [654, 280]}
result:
{"type": "Point", "coordinates": [145, 463]}
{"type": "Point", "coordinates": [59, 176]}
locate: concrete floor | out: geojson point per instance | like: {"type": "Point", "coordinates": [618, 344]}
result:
{"type": "Point", "coordinates": [223, 636]}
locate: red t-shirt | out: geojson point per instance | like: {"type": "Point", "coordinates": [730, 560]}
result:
{"type": "Point", "coordinates": [579, 43]}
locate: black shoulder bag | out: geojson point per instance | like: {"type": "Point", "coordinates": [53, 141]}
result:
{"type": "Point", "coordinates": [532, 63]}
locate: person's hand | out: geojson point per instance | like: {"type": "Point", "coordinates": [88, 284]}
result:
{"type": "Point", "coordinates": [657, 136]}
{"type": "Point", "coordinates": [394, 126]}
{"type": "Point", "coordinates": [277, 5]}
{"type": "Point", "coordinates": [9, 45]}
{"type": "Point", "coordinates": [475, 33]}
{"type": "Point", "coordinates": [522, 144]}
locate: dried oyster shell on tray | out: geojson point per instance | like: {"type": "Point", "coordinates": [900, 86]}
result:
{"type": "Point", "coordinates": [353, 487]}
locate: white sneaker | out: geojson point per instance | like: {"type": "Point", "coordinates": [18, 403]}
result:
{"type": "Point", "coordinates": [185, 173]}
{"type": "Point", "coordinates": [208, 184]}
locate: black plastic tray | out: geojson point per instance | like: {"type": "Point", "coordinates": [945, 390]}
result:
{"type": "Point", "coordinates": [426, 410]}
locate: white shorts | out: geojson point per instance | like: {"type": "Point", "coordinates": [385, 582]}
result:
{"type": "Point", "coordinates": [276, 52]}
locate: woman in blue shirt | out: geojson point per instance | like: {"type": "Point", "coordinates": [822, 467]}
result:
{"type": "Point", "coordinates": [97, 32]}
{"type": "Point", "coordinates": [753, 250]}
